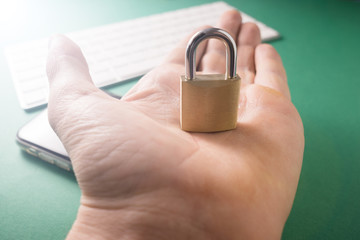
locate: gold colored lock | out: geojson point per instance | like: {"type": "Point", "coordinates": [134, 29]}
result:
{"type": "Point", "coordinates": [209, 102]}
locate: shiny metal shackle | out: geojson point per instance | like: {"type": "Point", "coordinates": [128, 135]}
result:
{"type": "Point", "coordinates": [225, 37]}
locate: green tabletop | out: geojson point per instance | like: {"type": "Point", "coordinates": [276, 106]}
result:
{"type": "Point", "coordinates": [321, 52]}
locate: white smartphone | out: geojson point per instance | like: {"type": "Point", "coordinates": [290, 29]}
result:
{"type": "Point", "coordinates": [39, 139]}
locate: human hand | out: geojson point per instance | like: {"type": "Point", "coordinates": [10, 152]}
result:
{"type": "Point", "coordinates": [142, 177]}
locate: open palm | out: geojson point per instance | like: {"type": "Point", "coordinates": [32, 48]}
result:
{"type": "Point", "coordinates": [141, 176]}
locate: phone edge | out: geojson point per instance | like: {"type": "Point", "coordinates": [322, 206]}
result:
{"type": "Point", "coordinates": [44, 154]}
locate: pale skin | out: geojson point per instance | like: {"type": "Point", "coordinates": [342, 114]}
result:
{"type": "Point", "coordinates": [142, 177]}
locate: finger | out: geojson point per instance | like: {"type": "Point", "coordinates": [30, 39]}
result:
{"type": "Point", "coordinates": [214, 59]}
{"type": "Point", "coordinates": [66, 68]}
{"type": "Point", "coordinates": [69, 81]}
{"type": "Point", "coordinates": [155, 80]}
{"type": "Point", "coordinates": [177, 55]}
{"type": "Point", "coordinates": [270, 71]}
{"type": "Point", "coordinates": [248, 39]}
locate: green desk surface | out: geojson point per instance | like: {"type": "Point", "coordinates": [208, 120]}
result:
{"type": "Point", "coordinates": [321, 51]}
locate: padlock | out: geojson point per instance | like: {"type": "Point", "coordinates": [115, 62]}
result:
{"type": "Point", "coordinates": [209, 102]}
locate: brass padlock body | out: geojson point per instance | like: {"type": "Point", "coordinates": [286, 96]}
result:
{"type": "Point", "coordinates": [209, 103]}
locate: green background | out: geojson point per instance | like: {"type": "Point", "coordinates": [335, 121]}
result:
{"type": "Point", "coordinates": [321, 52]}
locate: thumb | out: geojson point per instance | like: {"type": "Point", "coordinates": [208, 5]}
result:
{"type": "Point", "coordinates": [71, 89]}
{"type": "Point", "coordinates": [66, 68]}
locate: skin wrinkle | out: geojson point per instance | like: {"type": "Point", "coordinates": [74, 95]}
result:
{"type": "Point", "coordinates": [242, 107]}
{"type": "Point", "coordinates": [212, 141]}
{"type": "Point", "coordinates": [68, 112]}
{"type": "Point", "coordinates": [86, 131]}
{"type": "Point", "coordinates": [150, 96]}
{"type": "Point", "coordinates": [107, 233]}
{"type": "Point", "coordinates": [132, 156]}
{"type": "Point", "coordinates": [209, 158]}
{"type": "Point", "coordinates": [166, 112]}
{"type": "Point", "coordinates": [276, 85]}
{"type": "Point", "coordinates": [76, 130]}
{"type": "Point", "coordinates": [254, 105]}
{"type": "Point", "coordinates": [226, 184]}
{"type": "Point", "coordinates": [159, 82]}
{"type": "Point", "coordinates": [274, 74]}
{"type": "Point", "coordinates": [247, 79]}
{"type": "Point", "coordinates": [189, 157]}
{"type": "Point", "coordinates": [156, 210]}
{"type": "Point", "coordinates": [93, 228]}
{"type": "Point", "coordinates": [54, 64]}
{"type": "Point", "coordinates": [131, 202]}
{"type": "Point", "coordinates": [130, 186]}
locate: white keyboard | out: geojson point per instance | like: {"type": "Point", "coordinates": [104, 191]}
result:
{"type": "Point", "coordinates": [116, 52]}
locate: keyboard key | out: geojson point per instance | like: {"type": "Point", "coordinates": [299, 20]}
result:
{"type": "Point", "coordinates": [116, 52]}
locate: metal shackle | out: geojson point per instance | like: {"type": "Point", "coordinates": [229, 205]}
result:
{"type": "Point", "coordinates": [225, 37]}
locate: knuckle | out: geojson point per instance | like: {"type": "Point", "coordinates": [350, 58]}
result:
{"type": "Point", "coordinates": [266, 47]}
